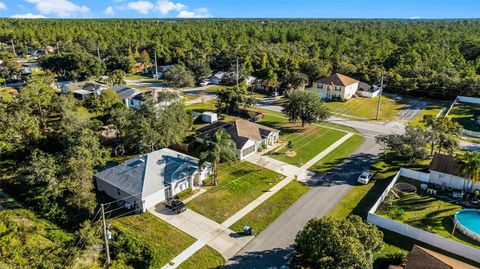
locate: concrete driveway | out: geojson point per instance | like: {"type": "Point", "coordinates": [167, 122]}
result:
{"type": "Point", "coordinates": [272, 247]}
{"type": "Point", "coordinates": [217, 236]}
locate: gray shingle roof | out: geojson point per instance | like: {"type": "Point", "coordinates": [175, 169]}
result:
{"type": "Point", "coordinates": [123, 92]}
{"type": "Point", "coordinates": [147, 174]}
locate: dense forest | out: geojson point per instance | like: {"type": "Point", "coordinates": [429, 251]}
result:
{"type": "Point", "coordinates": [420, 57]}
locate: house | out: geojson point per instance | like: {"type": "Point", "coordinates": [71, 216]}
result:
{"type": "Point", "coordinates": [446, 170]}
{"type": "Point", "coordinates": [144, 181]}
{"type": "Point", "coordinates": [125, 93]}
{"type": "Point", "coordinates": [367, 90]}
{"type": "Point", "coordinates": [209, 117]}
{"type": "Point", "coordinates": [216, 78]}
{"type": "Point", "coordinates": [248, 136]}
{"type": "Point", "coordinates": [161, 98]}
{"type": "Point", "coordinates": [423, 258]}
{"type": "Point", "coordinates": [81, 90]}
{"type": "Point", "coordinates": [336, 86]}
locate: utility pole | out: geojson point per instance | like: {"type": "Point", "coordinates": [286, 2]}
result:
{"type": "Point", "coordinates": [98, 50]}
{"type": "Point", "coordinates": [237, 72]}
{"type": "Point", "coordinates": [13, 48]}
{"type": "Point", "coordinates": [156, 66]}
{"type": "Point", "coordinates": [104, 224]}
{"type": "Point", "coordinates": [379, 98]}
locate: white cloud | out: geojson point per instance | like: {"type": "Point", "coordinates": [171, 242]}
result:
{"type": "Point", "coordinates": [61, 8]}
{"type": "Point", "coordinates": [3, 6]}
{"type": "Point", "coordinates": [141, 6]}
{"type": "Point", "coordinates": [415, 18]}
{"type": "Point", "coordinates": [165, 6]}
{"type": "Point", "coordinates": [196, 13]}
{"type": "Point", "coordinates": [109, 10]}
{"type": "Point", "coordinates": [28, 16]}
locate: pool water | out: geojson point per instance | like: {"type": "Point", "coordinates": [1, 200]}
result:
{"type": "Point", "coordinates": [470, 219]}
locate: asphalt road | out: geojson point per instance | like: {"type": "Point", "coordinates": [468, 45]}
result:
{"type": "Point", "coordinates": [272, 247]}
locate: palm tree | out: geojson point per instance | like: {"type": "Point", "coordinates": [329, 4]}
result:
{"type": "Point", "coordinates": [117, 77]}
{"type": "Point", "coordinates": [220, 148]}
{"type": "Point", "coordinates": [271, 80]}
{"type": "Point", "coordinates": [471, 167]}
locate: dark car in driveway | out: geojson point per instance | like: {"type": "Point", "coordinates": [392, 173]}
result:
{"type": "Point", "coordinates": [176, 205]}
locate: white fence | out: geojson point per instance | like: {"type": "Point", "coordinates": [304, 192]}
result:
{"type": "Point", "coordinates": [415, 233]}
{"type": "Point", "coordinates": [471, 133]}
{"type": "Point", "coordinates": [466, 99]}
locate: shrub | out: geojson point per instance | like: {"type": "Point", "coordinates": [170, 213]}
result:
{"type": "Point", "coordinates": [395, 212]}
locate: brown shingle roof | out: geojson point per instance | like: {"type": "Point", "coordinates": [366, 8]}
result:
{"type": "Point", "coordinates": [446, 164]}
{"type": "Point", "coordinates": [422, 258]}
{"type": "Point", "coordinates": [240, 131]}
{"type": "Point", "coordinates": [338, 80]}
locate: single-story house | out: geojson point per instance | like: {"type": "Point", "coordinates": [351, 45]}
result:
{"type": "Point", "coordinates": [125, 93]}
{"type": "Point", "coordinates": [423, 258]}
{"type": "Point", "coordinates": [81, 90]}
{"type": "Point", "coordinates": [336, 86]}
{"type": "Point", "coordinates": [144, 181]}
{"type": "Point", "coordinates": [248, 136]}
{"type": "Point", "coordinates": [446, 170]}
{"type": "Point", "coordinates": [216, 78]}
{"type": "Point", "coordinates": [367, 90]}
{"type": "Point", "coordinates": [161, 98]}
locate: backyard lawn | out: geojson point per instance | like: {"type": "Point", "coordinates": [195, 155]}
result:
{"type": "Point", "coordinates": [426, 212]}
{"type": "Point", "coordinates": [273, 207]}
{"type": "Point", "coordinates": [239, 184]}
{"type": "Point", "coordinates": [464, 113]}
{"type": "Point", "coordinates": [306, 142]}
{"type": "Point", "coordinates": [205, 258]}
{"type": "Point", "coordinates": [206, 106]}
{"type": "Point", "coordinates": [365, 108]}
{"type": "Point", "coordinates": [163, 240]}
{"type": "Point", "coordinates": [334, 158]}
{"type": "Point", "coordinates": [359, 201]}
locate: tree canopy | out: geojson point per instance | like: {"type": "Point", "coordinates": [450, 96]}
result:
{"type": "Point", "coordinates": [423, 57]}
{"type": "Point", "coordinates": [332, 243]}
{"type": "Point", "coordinates": [305, 106]}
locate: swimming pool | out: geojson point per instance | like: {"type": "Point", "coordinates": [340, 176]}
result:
{"type": "Point", "coordinates": [468, 222]}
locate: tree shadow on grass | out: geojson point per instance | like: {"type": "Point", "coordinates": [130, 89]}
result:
{"type": "Point", "coordinates": [346, 172]}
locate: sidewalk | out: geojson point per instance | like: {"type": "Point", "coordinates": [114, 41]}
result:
{"type": "Point", "coordinates": [184, 255]}
{"type": "Point", "coordinates": [322, 154]}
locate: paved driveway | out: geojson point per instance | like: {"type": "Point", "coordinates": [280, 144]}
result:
{"type": "Point", "coordinates": [272, 247]}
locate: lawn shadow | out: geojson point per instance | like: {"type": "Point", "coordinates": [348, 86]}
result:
{"type": "Point", "coordinates": [272, 258]}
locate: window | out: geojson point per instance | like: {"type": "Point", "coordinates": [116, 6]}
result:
{"type": "Point", "coordinates": [131, 102]}
{"type": "Point", "coordinates": [338, 88]}
{"type": "Point", "coordinates": [118, 191]}
{"type": "Point", "coordinates": [320, 86]}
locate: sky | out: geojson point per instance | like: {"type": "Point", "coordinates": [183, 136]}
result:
{"type": "Point", "coordinates": [409, 9]}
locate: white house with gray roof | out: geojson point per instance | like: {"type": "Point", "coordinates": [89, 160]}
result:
{"type": "Point", "coordinates": [147, 180]}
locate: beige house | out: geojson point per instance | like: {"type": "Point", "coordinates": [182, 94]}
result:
{"type": "Point", "coordinates": [446, 170]}
{"type": "Point", "coordinates": [336, 86]}
{"type": "Point", "coordinates": [248, 136]}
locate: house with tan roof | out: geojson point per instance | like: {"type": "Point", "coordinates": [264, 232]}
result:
{"type": "Point", "coordinates": [446, 170]}
{"type": "Point", "coordinates": [248, 136]}
{"type": "Point", "coordinates": [336, 86]}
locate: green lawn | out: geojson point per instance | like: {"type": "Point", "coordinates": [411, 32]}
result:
{"type": "Point", "coordinates": [206, 106]}
{"type": "Point", "coordinates": [432, 109]}
{"type": "Point", "coordinates": [463, 113]}
{"type": "Point", "coordinates": [334, 158]}
{"type": "Point", "coordinates": [205, 258]}
{"type": "Point", "coordinates": [269, 210]}
{"type": "Point", "coordinates": [84, 113]}
{"type": "Point", "coordinates": [239, 184]}
{"type": "Point", "coordinates": [366, 108]}
{"type": "Point", "coordinates": [163, 240]}
{"type": "Point", "coordinates": [306, 142]}
{"type": "Point", "coordinates": [429, 213]}
{"type": "Point", "coordinates": [136, 77]}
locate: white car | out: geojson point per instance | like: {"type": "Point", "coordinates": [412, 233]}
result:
{"type": "Point", "coordinates": [204, 83]}
{"type": "Point", "coordinates": [365, 177]}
